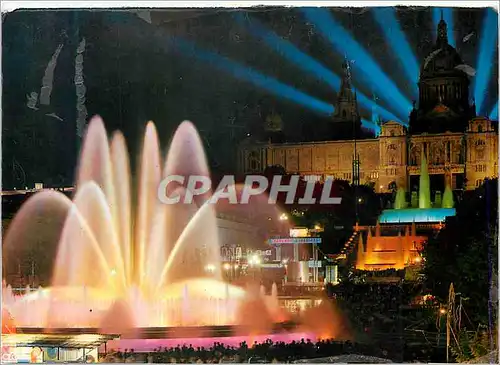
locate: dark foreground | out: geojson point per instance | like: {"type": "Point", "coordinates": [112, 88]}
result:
{"type": "Point", "coordinates": [270, 352]}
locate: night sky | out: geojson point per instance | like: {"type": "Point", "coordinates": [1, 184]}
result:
{"type": "Point", "coordinates": [134, 73]}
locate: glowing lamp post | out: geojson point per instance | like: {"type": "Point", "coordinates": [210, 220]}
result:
{"type": "Point", "coordinates": [285, 265]}
{"type": "Point", "coordinates": [227, 268]}
{"type": "Point", "coordinates": [210, 268]}
{"type": "Point", "coordinates": [235, 268]}
{"type": "Point", "coordinates": [254, 262]}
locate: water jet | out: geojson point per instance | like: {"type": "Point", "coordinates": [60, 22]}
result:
{"type": "Point", "coordinates": [125, 264]}
{"type": "Point", "coordinates": [421, 208]}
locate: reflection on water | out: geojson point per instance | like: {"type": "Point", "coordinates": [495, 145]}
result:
{"type": "Point", "coordinates": [299, 305]}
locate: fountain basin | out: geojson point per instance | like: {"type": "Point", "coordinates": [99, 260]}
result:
{"type": "Point", "coordinates": [187, 303]}
{"type": "Point", "coordinates": [417, 215]}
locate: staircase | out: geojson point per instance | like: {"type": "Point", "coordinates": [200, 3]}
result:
{"type": "Point", "coordinates": [350, 244]}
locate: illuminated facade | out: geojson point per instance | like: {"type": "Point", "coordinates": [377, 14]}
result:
{"type": "Point", "coordinates": [461, 148]}
{"type": "Point", "coordinates": [389, 251]}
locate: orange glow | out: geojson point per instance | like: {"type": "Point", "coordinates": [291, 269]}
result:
{"type": "Point", "coordinates": [8, 325]}
{"type": "Point", "coordinates": [388, 252]}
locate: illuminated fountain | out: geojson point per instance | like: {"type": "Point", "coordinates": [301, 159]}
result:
{"type": "Point", "coordinates": [424, 192]}
{"type": "Point", "coordinates": [124, 263]}
{"type": "Point", "coordinates": [448, 201]}
{"type": "Point", "coordinates": [388, 251]}
{"type": "Point", "coordinates": [422, 210]}
{"type": "Point", "coordinates": [400, 201]}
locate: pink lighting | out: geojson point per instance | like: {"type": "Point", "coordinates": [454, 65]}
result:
{"type": "Point", "coordinates": [148, 345]}
{"type": "Point", "coordinates": [125, 261]}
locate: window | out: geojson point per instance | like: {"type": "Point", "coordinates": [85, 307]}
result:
{"type": "Point", "coordinates": [480, 128]}
{"type": "Point", "coordinates": [344, 113]}
{"type": "Point", "coordinates": [312, 178]}
{"type": "Point", "coordinates": [392, 133]}
{"type": "Point", "coordinates": [374, 175]}
{"type": "Point", "coordinates": [480, 168]}
{"type": "Point", "coordinates": [479, 183]}
{"type": "Point", "coordinates": [254, 160]}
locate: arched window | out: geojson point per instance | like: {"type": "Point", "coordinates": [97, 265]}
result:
{"type": "Point", "coordinates": [392, 133]}
{"type": "Point", "coordinates": [254, 160]}
{"type": "Point", "coordinates": [480, 128]}
{"type": "Point", "coordinates": [344, 113]}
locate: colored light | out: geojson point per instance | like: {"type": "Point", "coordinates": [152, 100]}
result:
{"type": "Point", "coordinates": [371, 105]}
{"type": "Point", "coordinates": [416, 215]}
{"type": "Point", "coordinates": [368, 124]}
{"type": "Point", "coordinates": [249, 75]}
{"type": "Point", "coordinates": [487, 46]}
{"type": "Point", "coordinates": [386, 18]}
{"type": "Point", "coordinates": [494, 112]}
{"type": "Point", "coordinates": [363, 62]}
{"type": "Point", "coordinates": [448, 18]}
{"type": "Point", "coordinates": [289, 51]}
{"type": "Point", "coordinates": [306, 63]}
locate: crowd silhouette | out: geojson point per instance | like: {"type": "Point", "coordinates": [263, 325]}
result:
{"type": "Point", "coordinates": [271, 352]}
{"type": "Point", "coordinates": [374, 313]}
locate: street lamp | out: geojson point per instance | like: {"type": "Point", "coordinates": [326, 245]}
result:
{"type": "Point", "coordinates": [285, 264]}
{"type": "Point", "coordinates": [227, 267]}
{"type": "Point", "coordinates": [253, 262]}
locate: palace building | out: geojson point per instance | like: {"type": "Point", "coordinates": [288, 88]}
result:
{"type": "Point", "coordinates": [460, 147]}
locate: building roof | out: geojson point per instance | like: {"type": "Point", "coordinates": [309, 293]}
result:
{"type": "Point", "coordinates": [68, 340]}
{"type": "Point", "coordinates": [416, 215]}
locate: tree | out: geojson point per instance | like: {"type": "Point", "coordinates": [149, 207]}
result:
{"type": "Point", "coordinates": [465, 253]}
{"type": "Point", "coordinates": [358, 202]}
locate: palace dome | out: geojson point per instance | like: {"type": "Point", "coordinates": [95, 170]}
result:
{"type": "Point", "coordinates": [442, 60]}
